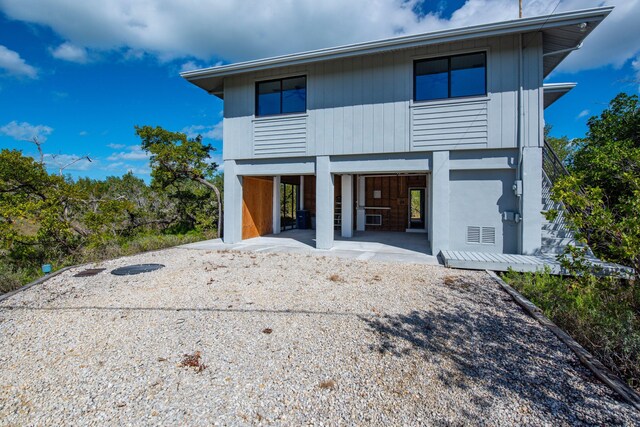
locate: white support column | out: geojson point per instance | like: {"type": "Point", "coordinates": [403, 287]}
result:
{"type": "Point", "coordinates": [531, 202]}
{"type": "Point", "coordinates": [324, 203]}
{"type": "Point", "coordinates": [276, 204]}
{"type": "Point", "coordinates": [439, 231]}
{"type": "Point", "coordinates": [301, 191]}
{"type": "Point", "coordinates": [232, 203]}
{"type": "Point", "coordinates": [347, 206]}
{"type": "Point", "coordinates": [360, 213]}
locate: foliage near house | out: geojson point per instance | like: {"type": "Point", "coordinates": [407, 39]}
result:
{"type": "Point", "coordinates": [602, 195]}
{"type": "Point", "coordinates": [46, 218]}
{"type": "Point", "coordinates": [602, 192]}
{"type": "Point", "coordinates": [602, 314]}
{"type": "Point", "coordinates": [178, 161]}
{"type": "Point", "coordinates": [562, 146]}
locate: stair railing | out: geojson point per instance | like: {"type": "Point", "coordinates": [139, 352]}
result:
{"type": "Point", "coordinates": [551, 164]}
{"type": "Point", "coordinates": [553, 168]}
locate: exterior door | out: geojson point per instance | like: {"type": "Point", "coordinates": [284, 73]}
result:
{"type": "Point", "coordinates": [417, 199]}
{"type": "Point", "coordinates": [289, 194]}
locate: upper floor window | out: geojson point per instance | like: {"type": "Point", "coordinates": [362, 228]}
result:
{"type": "Point", "coordinates": [450, 77]}
{"type": "Point", "coordinates": [281, 96]}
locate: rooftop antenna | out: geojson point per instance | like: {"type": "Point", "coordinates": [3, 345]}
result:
{"type": "Point", "coordinates": [520, 8]}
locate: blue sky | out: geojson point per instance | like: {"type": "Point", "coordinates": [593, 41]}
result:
{"type": "Point", "coordinates": [81, 75]}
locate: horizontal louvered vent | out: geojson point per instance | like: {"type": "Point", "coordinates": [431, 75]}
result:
{"type": "Point", "coordinates": [280, 137]}
{"type": "Point", "coordinates": [459, 123]}
{"type": "Point", "coordinates": [473, 234]}
{"type": "Point", "coordinates": [481, 235]}
{"type": "Point", "coordinates": [488, 235]}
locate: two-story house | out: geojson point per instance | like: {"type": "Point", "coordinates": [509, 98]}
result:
{"type": "Point", "coordinates": [439, 133]}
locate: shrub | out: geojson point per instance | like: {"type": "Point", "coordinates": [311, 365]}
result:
{"type": "Point", "coordinates": [12, 278]}
{"type": "Point", "coordinates": [601, 313]}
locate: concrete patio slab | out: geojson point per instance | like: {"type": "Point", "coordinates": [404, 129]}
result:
{"type": "Point", "coordinates": [378, 246]}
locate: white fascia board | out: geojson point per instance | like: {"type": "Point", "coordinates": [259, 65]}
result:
{"type": "Point", "coordinates": [551, 92]}
{"type": "Point", "coordinates": [558, 87]}
{"type": "Point", "coordinates": [485, 30]}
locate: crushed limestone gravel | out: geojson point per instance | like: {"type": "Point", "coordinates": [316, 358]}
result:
{"type": "Point", "coordinates": [237, 338]}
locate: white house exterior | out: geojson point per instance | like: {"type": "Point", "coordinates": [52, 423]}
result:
{"type": "Point", "coordinates": [440, 133]}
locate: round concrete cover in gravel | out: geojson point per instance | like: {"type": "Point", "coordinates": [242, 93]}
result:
{"type": "Point", "coordinates": [136, 269]}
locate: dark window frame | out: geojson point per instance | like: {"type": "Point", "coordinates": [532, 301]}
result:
{"type": "Point", "coordinates": [448, 58]}
{"type": "Point", "coordinates": [281, 79]}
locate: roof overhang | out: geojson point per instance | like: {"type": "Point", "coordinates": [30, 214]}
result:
{"type": "Point", "coordinates": [561, 33]}
{"type": "Point", "coordinates": [554, 91]}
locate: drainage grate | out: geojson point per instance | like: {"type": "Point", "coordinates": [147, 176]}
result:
{"type": "Point", "coordinates": [136, 269]}
{"type": "Point", "coordinates": [89, 272]}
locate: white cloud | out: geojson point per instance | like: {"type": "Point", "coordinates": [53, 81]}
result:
{"type": "Point", "coordinates": [70, 52]}
{"type": "Point", "coordinates": [123, 167]}
{"type": "Point", "coordinates": [116, 146]}
{"type": "Point", "coordinates": [134, 153]}
{"type": "Point", "coordinates": [25, 131]}
{"type": "Point", "coordinates": [583, 113]}
{"type": "Point", "coordinates": [207, 132]}
{"type": "Point", "coordinates": [234, 31]}
{"type": "Point", "coordinates": [194, 65]}
{"type": "Point", "coordinates": [114, 165]}
{"type": "Point", "coordinates": [13, 64]}
{"type": "Point", "coordinates": [59, 94]}
{"type": "Point", "coordinates": [139, 170]}
{"type": "Point", "coordinates": [190, 65]}
{"type": "Point", "coordinates": [83, 133]}
{"type": "Point", "coordinates": [131, 54]}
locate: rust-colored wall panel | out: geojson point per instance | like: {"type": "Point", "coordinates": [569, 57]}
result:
{"type": "Point", "coordinates": [257, 206]}
{"type": "Point", "coordinates": [394, 195]}
{"type": "Point", "coordinates": [310, 193]}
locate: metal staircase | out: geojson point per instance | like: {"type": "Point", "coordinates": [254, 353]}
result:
{"type": "Point", "coordinates": [556, 235]}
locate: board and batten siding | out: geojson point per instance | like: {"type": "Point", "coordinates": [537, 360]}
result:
{"type": "Point", "coordinates": [363, 105]}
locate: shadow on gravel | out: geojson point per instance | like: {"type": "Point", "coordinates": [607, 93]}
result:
{"type": "Point", "coordinates": [493, 357]}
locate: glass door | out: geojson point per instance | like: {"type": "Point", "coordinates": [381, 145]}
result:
{"type": "Point", "coordinates": [289, 194]}
{"type": "Point", "coordinates": [417, 220]}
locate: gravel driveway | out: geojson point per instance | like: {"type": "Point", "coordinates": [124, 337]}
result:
{"type": "Point", "coordinates": [286, 339]}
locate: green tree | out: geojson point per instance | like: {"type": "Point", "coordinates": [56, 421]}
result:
{"type": "Point", "coordinates": [562, 146]}
{"type": "Point", "coordinates": [602, 192]}
{"type": "Point", "coordinates": [177, 159]}
{"type": "Point", "coordinates": [35, 220]}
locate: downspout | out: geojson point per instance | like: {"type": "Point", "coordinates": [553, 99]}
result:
{"type": "Point", "coordinates": [520, 108]}
{"type": "Point", "coordinates": [517, 185]}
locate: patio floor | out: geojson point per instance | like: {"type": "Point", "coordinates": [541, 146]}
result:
{"type": "Point", "coordinates": [378, 246]}
{"type": "Point", "coordinates": [399, 247]}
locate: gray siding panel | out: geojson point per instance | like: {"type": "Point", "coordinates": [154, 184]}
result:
{"type": "Point", "coordinates": [532, 94]}
{"type": "Point", "coordinates": [363, 105]}
{"type": "Point", "coordinates": [284, 136]}
{"type": "Point", "coordinates": [461, 123]}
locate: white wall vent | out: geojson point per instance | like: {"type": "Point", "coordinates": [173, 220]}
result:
{"type": "Point", "coordinates": [473, 234]}
{"type": "Point", "coordinates": [481, 235]}
{"type": "Point", "coordinates": [488, 235]}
